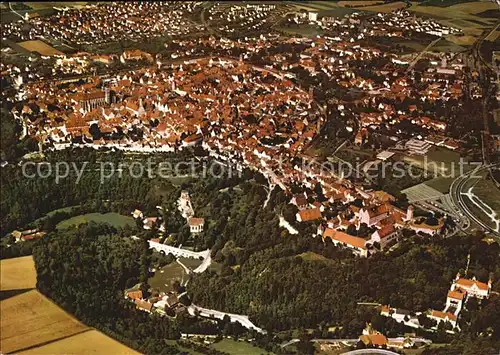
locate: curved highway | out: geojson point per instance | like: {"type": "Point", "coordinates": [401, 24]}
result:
{"type": "Point", "coordinates": [457, 196]}
{"type": "Point", "coordinates": [370, 351]}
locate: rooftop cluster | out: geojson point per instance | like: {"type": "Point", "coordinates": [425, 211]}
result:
{"type": "Point", "coordinates": [108, 22]}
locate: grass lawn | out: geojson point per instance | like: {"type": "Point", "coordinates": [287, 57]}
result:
{"type": "Point", "coordinates": [439, 161]}
{"type": "Point", "coordinates": [64, 209]}
{"type": "Point", "coordinates": [115, 219]}
{"type": "Point", "coordinates": [303, 30]}
{"type": "Point", "coordinates": [440, 184]}
{"type": "Point", "coordinates": [165, 277]}
{"type": "Point", "coordinates": [237, 347]}
{"type": "Point", "coordinates": [311, 256]}
{"type": "Point", "coordinates": [489, 194]}
{"type": "Point", "coordinates": [182, 348]}
{"type": "Point", "coordinates": [190, 262]}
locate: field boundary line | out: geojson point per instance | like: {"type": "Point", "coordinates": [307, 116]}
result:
{"type": "Point", "coordinates": [53, 340]}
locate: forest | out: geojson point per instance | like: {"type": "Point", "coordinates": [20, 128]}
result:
{"type": "Point", "coordinates": [86, 270]}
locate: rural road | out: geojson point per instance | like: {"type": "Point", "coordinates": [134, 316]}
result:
{"type": "Point", "coordinates": [211, 313]}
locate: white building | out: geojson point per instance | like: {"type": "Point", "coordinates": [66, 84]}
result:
{"type": "Point", "coordinates": [417, 147]}
{"type": "Point", "coordinates": [137, 214]}
{"type": "Point", "coordinates": [196, 224]}
{"type": "Point", "coordinates": [455, 301]}
{"type": "Point", "coordinates": [313, 16]}
{"type": "Point", "coordinates": [474, 288]}
{"type": "Point", "coordinates": [384, 155]}
{"type": "Point", "coordinates": [384, 235]}
{"type": "Point", "coordinates": [440, 316]}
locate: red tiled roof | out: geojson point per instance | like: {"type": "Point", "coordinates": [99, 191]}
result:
{"type": "Point", "coordinates": [344, 238]}
{"type": "Point", "coordinates": [310, 214]}
{"type": "Point", "coordinates": [375, 339]}
{"type": "Point", "coordinates": [300, 200]}
{"type": "Point", "coordinates": [469, 283]}
{"type": "Point", "coordinates": [193, 221]}
{"type": "Point", "coordinates": [143, 305]}
{"type": "Point", "coordinates": [385, 231]}
{"type": "Point", "coordinates": [456, 295]}
{"type": "Point", "coordinates": [135, 295]}
{"type": "Point", "coordinates": [443, 315]}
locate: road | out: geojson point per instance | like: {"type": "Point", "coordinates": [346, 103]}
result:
{"type": "Point", "coordinates": [354, 341]}
{"type": "Point", "coordinates": [457, 196]}
{"type": "Point", "coordinates": [417, 58]}
{"type": "Point", "coordinates": [14, 11]}
{"type": "Point", "coordinates": [370, 351]}
{"type": "Point", "coordinates": [207, 261]}
{"type": "Point", "coordinates": [212, 313]}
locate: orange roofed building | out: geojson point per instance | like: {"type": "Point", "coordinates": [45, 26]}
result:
{"type": "Point", "coordinates": [440, 316]}
{"type": "Point", "coordinates": [473, 287]}
{"type": "Point", "coordinates": [357, 244]}
{"type": "Point", "coordinates": [310, 214]}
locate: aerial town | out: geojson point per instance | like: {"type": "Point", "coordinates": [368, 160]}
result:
{"type": "Point", "coordinates": [297, 177]}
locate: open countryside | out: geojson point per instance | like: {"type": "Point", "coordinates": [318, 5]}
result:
{"type": "Point", "coordinates": [31, 319]}
{"type": "Point", "coordinates": [88, 342]}
{"type": "Point", "coordinates": [17, 274]}
{"type": "Point", "coordinates": [33, 322]}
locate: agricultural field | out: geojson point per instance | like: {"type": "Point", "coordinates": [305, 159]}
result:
{"type": "Point", "coordinates": [450, 46]}
{"type": "Point", "coordinates": [115, 219]}
{"type": "Point", "coordinates": [237, 347]}
{"type": "Point", "coordinates": [314, 5]}
{"type": "Point", "coordinates": [360, 3]}
{"type": "Point", "coordinates": [17, 273]}
{"type": "Point", "coordinates": [324, 8]}
{"type": "Point", "coordinates": [493, 36]}
{"type": "Point", "coordinates": [48, 5]}
{"type": "Point", "coordinates": [462, 40]}
{"type": "Point", "coordinates": [389, 7]}
{"type": "Point", "coordinates": [89, 342]}
{"type": "Point", "coordinates": [40, 47]}
{"type": "Point", "coordinates": [458, 11]}
{"type": "Point", "coordinates": [30, 319]}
